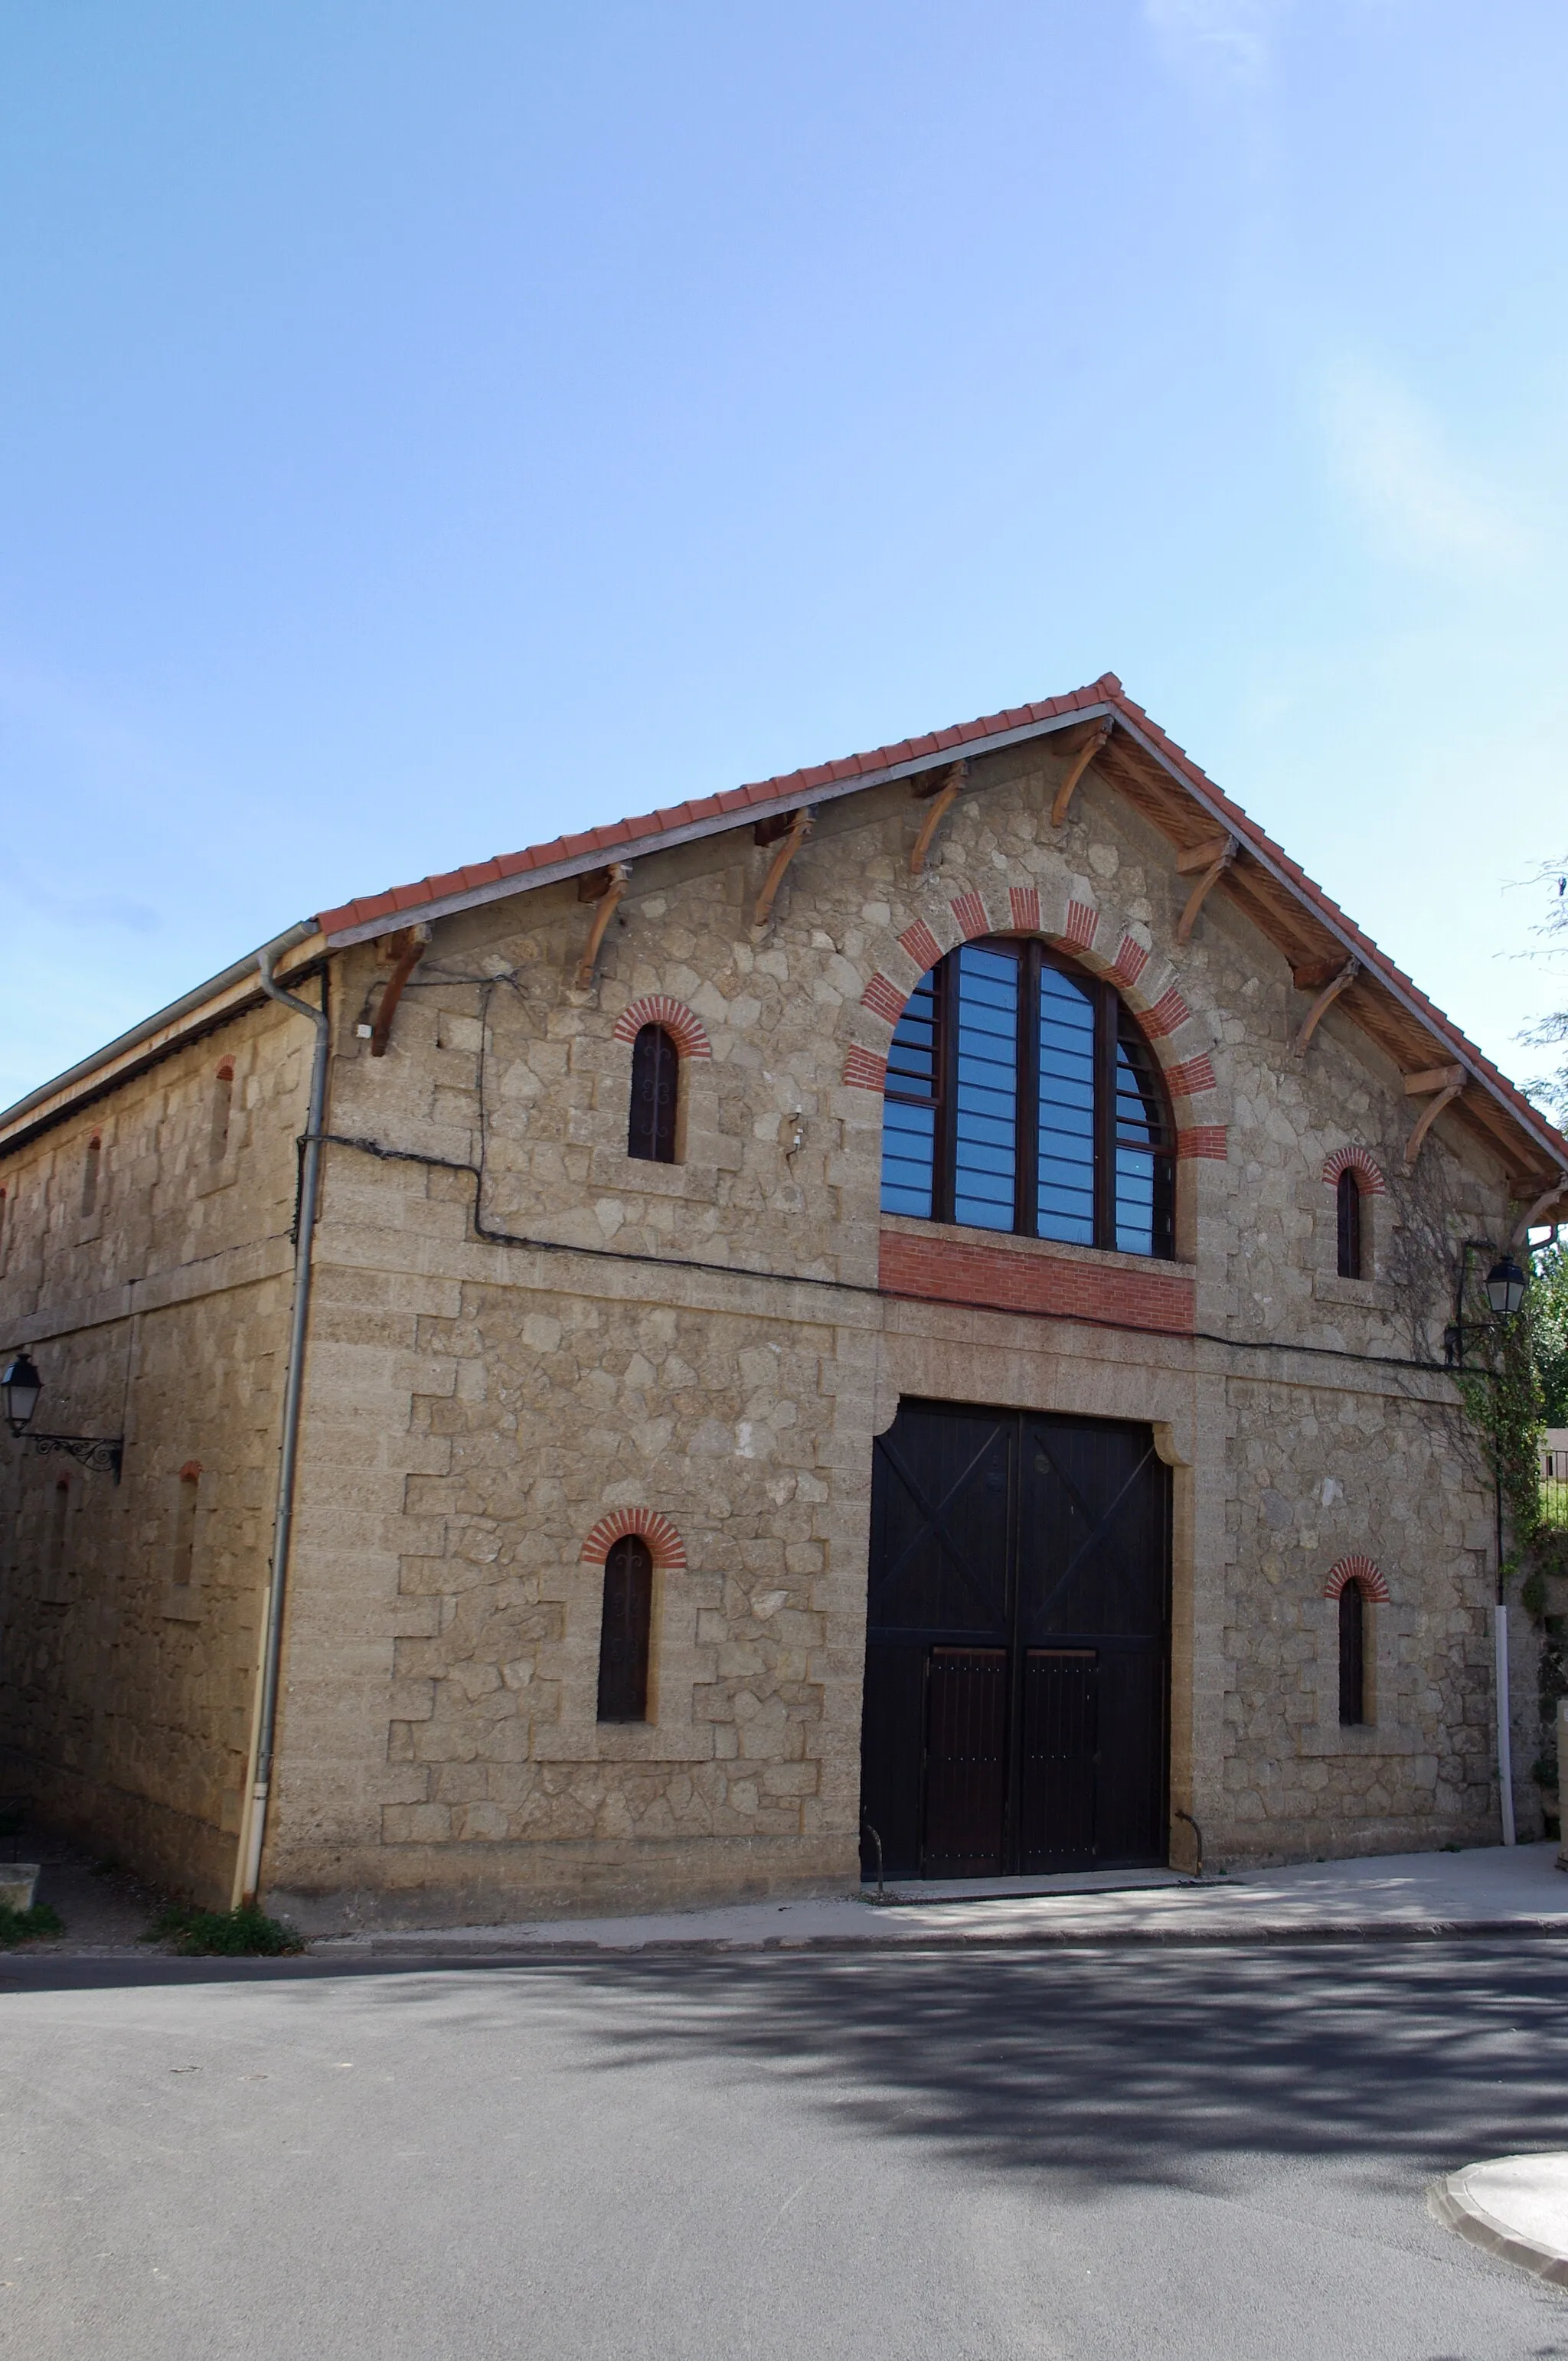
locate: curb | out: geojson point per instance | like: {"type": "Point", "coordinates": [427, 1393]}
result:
{"type": "Point", "coordinates": [1450, 2203]}
{"type": "Point", "coordinates": [431, 1947]}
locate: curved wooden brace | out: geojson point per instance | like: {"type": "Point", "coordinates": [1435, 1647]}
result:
{"type": "Point", "coordinates": [1452, 1083]}
{"type": "Point", "coordinates": [616, 881]}
{"type": "Point", "coordinates": [800, 827]}
{"type": "Point", "coordinates": [1092, 745]}
{"type": "Point", "coordinates": [1218, 854]}
{"type": "Point", "coordinates": [1323, 1002]}
{"type": "Point", "coordinates": [411, 945]}
{"type": "Point", "coordinates": [941, 805]}
{"type": "Point", "coordinates": [1558, 1190]}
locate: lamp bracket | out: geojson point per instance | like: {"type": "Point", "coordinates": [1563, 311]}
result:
{"type": "Point", "coordinates": [101, 1455]}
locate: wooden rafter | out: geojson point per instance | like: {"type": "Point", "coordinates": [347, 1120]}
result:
{"type": "Point", "coordinates": [942, 801]}
{"type": "Point", "coordinates": [1316, 946]}
{"type": "Point", "coordinates": [1445, 1082]}
{"type": "Point", "coordinates": [1214, 857]}
{"type": "Point", "coordinates": [406, 949]}
{"type": "Point", "coordinates": [800, 827]}
{"type": "Point", "coordinates": [1324, 1001]}
{"type": "Point", "coordinates": [605, 888]}
{"type": "Point", "coordinates": [1093, 744]}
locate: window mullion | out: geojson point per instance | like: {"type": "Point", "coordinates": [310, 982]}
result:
{"type": "Point", "coordinates": [1028, 1139]}
{"type": "Point", "coordinates": [945, 1149]}
{"type": "Point", "coordinates": [1104, 1115]}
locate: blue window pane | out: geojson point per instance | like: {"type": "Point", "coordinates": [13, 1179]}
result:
{"type": "Point", "coordinates": [908, 1142]}
{"type": "Point", "coordinates": [1143, 1196]}
{"type": "Point", "coordinates": [985, 1154]}
{"type": "Point", "coordinates": [912, 1057]}
{"type": "Point", "coordinates": [1066, 1194]}
{"type": "Point", "coordinates": [1140, 1116]}
{"type": "Point", "coordinates": [909, 1109]}
{"type": "Point", "coordinates": [1136, 1224]}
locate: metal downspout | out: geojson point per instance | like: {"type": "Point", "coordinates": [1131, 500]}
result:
{"type": "Point", "coordinates": [248, 1864]}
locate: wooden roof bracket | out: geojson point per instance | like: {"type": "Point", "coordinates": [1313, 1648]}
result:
{"type": "Point", "coordinates": [942, 801]}
{"type": "Point", "coordinates": [1323, 1002]}
{"type": "Point", "coordinates": [1558, 1190]}
{"type": "Point", "coordinates": [801, 823]}
{"type": "Point", "coordinates": [407, 948]}
{"type": "Point", "coordinates": [605, 887]}
{"type": "Point", "coordinates": [1093, 744]}
{"type": "Point", "coordinates": [1446, 1081]}
{"type": "Point", "coordinates": [1214, 857]}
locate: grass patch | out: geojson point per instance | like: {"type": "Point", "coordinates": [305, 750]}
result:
{"type": "Point", "coordinates": [245, 1933]}
{"type": "Point", "coordinates": [27, 1926]}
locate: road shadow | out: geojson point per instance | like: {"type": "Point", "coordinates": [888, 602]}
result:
{"type": "Point", "coordinates": [1139, 2064]}
{"type": "Point", "coordinates": [1143, 2064]}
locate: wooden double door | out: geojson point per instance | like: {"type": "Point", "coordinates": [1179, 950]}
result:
{"type": "Point", "coordinates": [1017, 1712]}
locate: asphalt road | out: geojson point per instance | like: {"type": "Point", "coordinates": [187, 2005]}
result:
{"type": "Point", "coordinates": [1203, 2155]}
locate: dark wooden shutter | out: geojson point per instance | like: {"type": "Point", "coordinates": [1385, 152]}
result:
{"type": "Point", "coordinates": [1349, 1196]}
{"type": "Point", "coordinates": [624, 1634]}
{"type": "Point", "coordinates": [655, 1085]}
{"type": "Point", "coordinates": [1352, 1656]}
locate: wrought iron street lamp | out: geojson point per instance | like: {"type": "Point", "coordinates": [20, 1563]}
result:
{"type": "Point", "coordinates": [20, 1386]}
{"type": "Point", "coordinates": [1505, 1287]}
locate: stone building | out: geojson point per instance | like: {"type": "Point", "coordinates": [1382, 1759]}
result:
{"type": "Point", "coordinates": [894, 1311]}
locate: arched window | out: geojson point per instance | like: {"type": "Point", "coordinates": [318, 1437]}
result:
{"type": "Point", "coordinates": [222, 1108]}
{"type": "Point", "coordinates": [655, 1092]}
{"type": "Point", "coordinates": [1347, 1192]}
{"type": "Point", "coordinates": [58, 1508]}
{"type": "Point", "coordinates": [1021, 1095]}
{"type": "Point", "coordinates": [183, 1564]}
{"type": "Point", "coordinates": [625, 1630]}
{"type": "Point", "coordinates": [1352, 1656]}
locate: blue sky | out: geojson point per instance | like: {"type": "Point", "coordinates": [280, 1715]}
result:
{"type": "Point", "coordinates": [427, 425]}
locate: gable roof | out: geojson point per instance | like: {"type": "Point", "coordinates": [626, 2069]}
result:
{"type": "Point", "coordinates": [1158, 777]}
{"type": "Point", "coordinates": [1138, 759]}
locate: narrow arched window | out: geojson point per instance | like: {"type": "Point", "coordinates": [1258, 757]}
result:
{"type": "Point", "coordinates": [90, 1176]}
{"type": "Point", "coordinates": [58, 1508]}
{"type": "Point", "coordinates": [1347, 1191]}
{"type": "Point", "coordinates": [625, 1631]}
{"type": "Point", "coordinates": [222, 1108]}
{"type": "Point", "coordinates": [655, 1097]}
{"type": "Point", "coordinates": [1352, 1656]}
{"type": "Point", "coordinates": [183, 1565]}
{"type": "Point", "coordinates": [1022, 1096]}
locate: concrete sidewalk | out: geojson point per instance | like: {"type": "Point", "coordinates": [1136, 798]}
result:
{"type": "Point", "coordinates": [1493, 1890]}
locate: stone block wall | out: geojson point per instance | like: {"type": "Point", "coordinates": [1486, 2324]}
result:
{"type": "Point", "coordinates": [704, 1341]}
{"type": "Point", "coordinates": [131, 1614]}
{"type": "Point", "coordinates": [519, 1332]}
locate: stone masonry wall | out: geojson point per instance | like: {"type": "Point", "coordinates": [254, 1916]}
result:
{"type": "Point", "coordinates": [155, 1304]}
{"type": "Point", "coordinates": [705, 1343]}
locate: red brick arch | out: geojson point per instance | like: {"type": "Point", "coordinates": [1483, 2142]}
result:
{"type": "Point", "coordinates": [1369, 1178]}
{"type": "Point", "coordinates": [685, 1029]}
{"type": "Point", "coordinates": [663, 1541]}
{"type": "Point", "coordinates": [1356, 1569]}
{"type": "Point", "coordinates": [1185, 1078]}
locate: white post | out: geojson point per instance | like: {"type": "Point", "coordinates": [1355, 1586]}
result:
{"type": "Point", "coordinates": [1504, 1736]}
